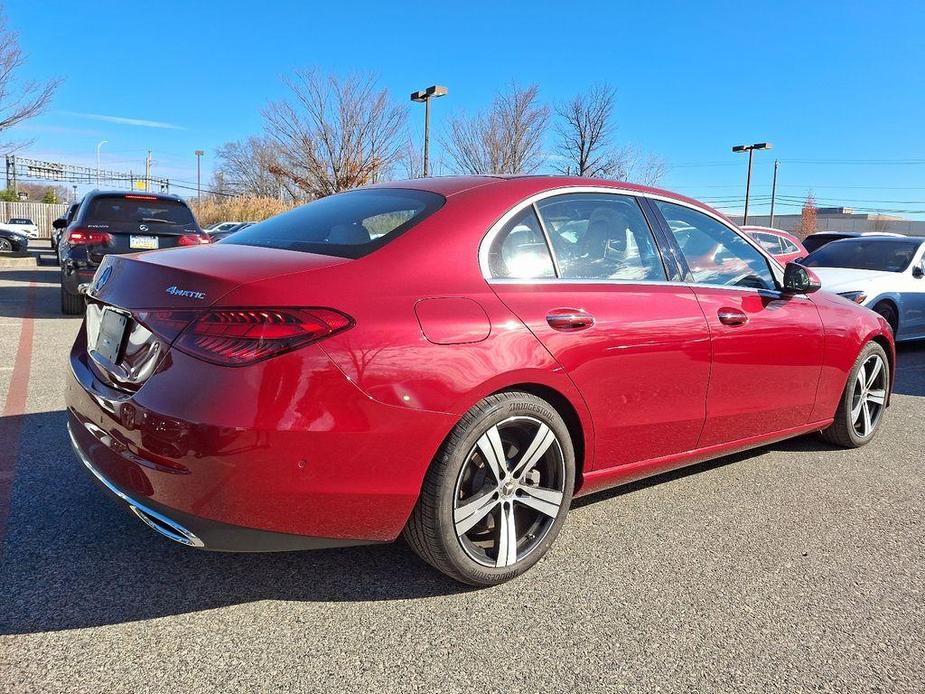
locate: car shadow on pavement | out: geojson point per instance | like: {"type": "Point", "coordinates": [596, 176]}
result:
{"type": "Point", "coordinates": [74, 558]}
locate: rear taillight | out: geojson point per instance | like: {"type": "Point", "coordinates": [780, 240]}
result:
{"type": "Point", "coordinates": [193, 240]}
{"type": "Point", "coordinates": [241, 336]}
{"type": "Point", "coordinates": [87, 237]}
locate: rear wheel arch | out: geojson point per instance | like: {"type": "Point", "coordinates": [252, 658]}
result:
{"type": "Point", "coordinates": [569, 414]}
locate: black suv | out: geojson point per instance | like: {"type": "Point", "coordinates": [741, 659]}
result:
{"type": "Point", "coordinates": [118, 222]}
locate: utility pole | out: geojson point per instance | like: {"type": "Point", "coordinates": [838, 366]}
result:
{"type": "Point", "coordinates": [98, 161]}
{"type": "Point", "coordinates": [148, 172]}
{"type": "Point", "coordinates": [199, 154]}
{"type": "Point", "coordinates": [773, 193]}
{"type": "Point", "coordinates": [426, 95]}
{"type": "Point", "coordinates": [748, 180]}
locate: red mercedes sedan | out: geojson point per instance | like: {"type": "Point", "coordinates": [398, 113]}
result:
{"type": "Point", "coordinates": [453, 360]}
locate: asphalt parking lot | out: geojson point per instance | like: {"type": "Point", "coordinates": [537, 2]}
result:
{"type": "Point", "coordinates": [791, 568]}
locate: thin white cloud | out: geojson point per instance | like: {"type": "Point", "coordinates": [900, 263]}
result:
{"type": "Point", "coordinates": [121, 120]}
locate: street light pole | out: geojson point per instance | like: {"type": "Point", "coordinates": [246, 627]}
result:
{"type": "Point", "coordinates": [773, 193]}
{"type": "Point", "coordinates": [199, 154]}
{"type": "Point", "coordinates": [98, 161]}
{"type": "Point", "coordinates": [425, 95]}
{"type": "Point", "coordinates": [748, 180]}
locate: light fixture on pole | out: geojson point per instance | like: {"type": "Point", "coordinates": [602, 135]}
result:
{"type": "Point", "coordinates": [425, 95]}
{"type": "Point", "coordinates": [199, 154]}
{"type": "Point", "coordinates": [98, 161]}
{"type": "Point", "coordinates": [748, 180]}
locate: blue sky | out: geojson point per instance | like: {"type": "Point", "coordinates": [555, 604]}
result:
{"type": "Point", "coordinates": [838, 88]}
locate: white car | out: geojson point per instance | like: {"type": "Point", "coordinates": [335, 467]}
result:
{"type": "Point", "coordinates": [26, 226]}
{"type": "Point", "coordinates": [886, 274]}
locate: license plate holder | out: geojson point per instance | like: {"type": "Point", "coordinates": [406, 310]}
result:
{"type": "Point", "coordinates": [110, 338]}
{"type": "Point", "coordinates": [144, 243]}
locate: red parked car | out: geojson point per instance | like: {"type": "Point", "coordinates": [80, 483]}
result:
{"type": "Point", "coordinates": [782, 245]}
{"type": "Point", "coordinates": [453, 359]}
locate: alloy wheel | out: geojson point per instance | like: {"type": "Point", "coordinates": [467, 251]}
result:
{"type": "Point", "coordinates": [509, 491]}
{"type": "Point", "coordinates": [869, 396]}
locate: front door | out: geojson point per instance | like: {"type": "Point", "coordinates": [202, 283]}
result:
{"type": "Point", "coordinates": [635, 345]}
{"type": "Point", "coordinates": [767, 345]}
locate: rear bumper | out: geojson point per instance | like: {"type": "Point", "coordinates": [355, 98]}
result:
{"type": "Point", "coordinates": [285, 454]}
{"type": "Point", "coordinates": [194, 531]}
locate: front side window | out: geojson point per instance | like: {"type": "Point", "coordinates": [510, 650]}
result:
{"type": "Point", "coordinates": [519, 251]}
{"type": "Point", "coordinates": [714, 253]}
{"type": "Point", "coordinates": [601, 237]}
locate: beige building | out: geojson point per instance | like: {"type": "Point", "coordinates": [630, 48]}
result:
{"type": "Point", "coordinates": [842, 219]}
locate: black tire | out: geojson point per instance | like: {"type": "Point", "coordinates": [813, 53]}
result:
{"type": "Point", "coordinates": [843, 430]}
{"type": "Point", "coordinates": [5, 245]}
{"type": "Point", "coordinates": [71, 304]}
{"type": "Point", "coordinates": [431, 531]}
{"type": "Point", "coordinates": [888, 311]}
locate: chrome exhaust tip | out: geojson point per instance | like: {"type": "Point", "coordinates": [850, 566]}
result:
{"type": "Point", "coordinates": [165, 526]}
{"type": "Point", "coordinates": [156, 521]}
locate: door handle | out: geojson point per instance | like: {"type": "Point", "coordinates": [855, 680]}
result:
{"type": "Point", "coordinates": [732, 316]}
{"type": "Point", "coordinates": [569, 320]}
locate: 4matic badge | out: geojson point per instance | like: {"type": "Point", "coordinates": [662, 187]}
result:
{"type": "Point", "coordinates": [188, 293]}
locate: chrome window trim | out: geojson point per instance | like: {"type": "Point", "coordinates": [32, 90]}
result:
{"type": "Point", "coordinates": [662, 283]}
{"type": "Point", "coordinates": [488, 239]}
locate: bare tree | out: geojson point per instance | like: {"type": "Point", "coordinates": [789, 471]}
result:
{"type": "Point", "coordinates": [248, 166]}
{"type": "Point", "coordinates": [808, 217]}
{"type": "Point", "coordinates": [19, 100]}
{"type": "Point", "coordinates": [412, 161]}
{"type": "Point", "coordinates": [506, 139]}
{"type": "Point", "coordinates": [335, 133]}
{"type": "Point", "coordinates": [584, 129]}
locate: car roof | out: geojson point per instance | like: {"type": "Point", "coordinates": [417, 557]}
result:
{"type": "Point", "coordinates": [531, 184]}
{"type": "Point", "coordinates": [138, 193]}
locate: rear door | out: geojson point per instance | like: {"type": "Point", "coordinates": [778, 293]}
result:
{"type": "Point", "coordinates": [767, 345]}
{"type": "Point", "coordinates": [635, 344]}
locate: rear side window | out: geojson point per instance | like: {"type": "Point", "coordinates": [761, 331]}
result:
{"type": "Point", "coordinates": [788, 246]}
{"type": "Point", "coordinates": [519, 251]}
{"type": "Point", "coordinates": [769, 242]}
{"type": "Point", "coordinates": [601, 237]}
{"type": "Point", "coordinates": [137, 209]}
{"type": "Point", "coordinates": [348, 225]}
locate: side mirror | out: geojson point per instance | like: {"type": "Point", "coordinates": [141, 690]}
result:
{"type": "Point", "coordinates": [800, 280]}
{"type": "Point", "coordinates": [59, 223]}
{"type": "Point", "coordinates": [919, 270]}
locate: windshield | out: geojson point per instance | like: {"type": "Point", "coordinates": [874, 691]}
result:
{"type": "Point", "coordinates": [886, 255]}
{"type": "Point", "coordinates": [348, 225]}
{"type": "Point", "coordinates": [20, 220]}
{"type": "Point", "coordinates": [137, 209]}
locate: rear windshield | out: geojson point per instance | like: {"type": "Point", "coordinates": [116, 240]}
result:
{"type": "Point", "coordinates": [20, 220]}
{"type": "Point", "coordinates": [348, 225]}
{"type": "Point", "coordinates": [811, 243]}
{"type": "Point", "coordinates": [864, 254]}
{"type": "Point", "coordinates": [137, 209]}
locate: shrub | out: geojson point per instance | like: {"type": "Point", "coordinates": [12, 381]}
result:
{"type": "Point", "coordinates": [241, 209]}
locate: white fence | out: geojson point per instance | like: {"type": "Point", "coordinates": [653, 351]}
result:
{"type": "Point", "coordinates": [39, 212]}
